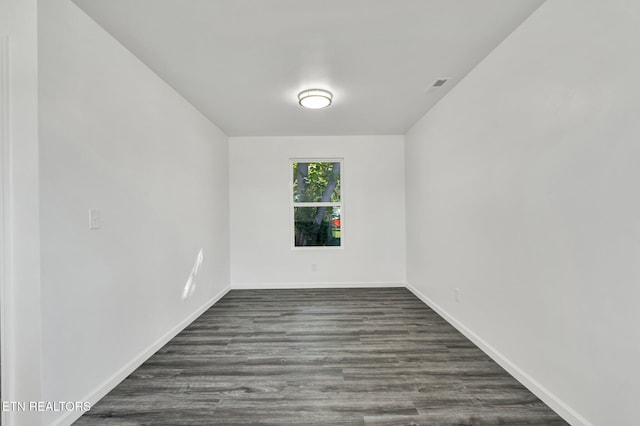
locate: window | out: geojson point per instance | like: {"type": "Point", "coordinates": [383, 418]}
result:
{"type": "Point", "coordinates": [317, 203]}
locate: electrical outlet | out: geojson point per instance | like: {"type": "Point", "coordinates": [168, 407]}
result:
{"type": "Point", "coordinates": [457, 294]}
{"type": "Point", "coordinates": [314, 267]}
{"type": "Point", "coordinates": [95, 219]}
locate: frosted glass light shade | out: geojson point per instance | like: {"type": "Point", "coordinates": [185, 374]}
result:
{"type": "Point", "coordinates": [315, 98]}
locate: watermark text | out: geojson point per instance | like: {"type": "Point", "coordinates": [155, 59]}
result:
{"type": "Point", "coordinates": [42, 406]}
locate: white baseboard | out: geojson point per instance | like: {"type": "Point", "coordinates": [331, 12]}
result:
{"type": "Point", "coordinates": [309, 285]}
{"type": "Point", "coordinates": [106, 387]}
{"type": "Point", "coordinates": [556, 404]}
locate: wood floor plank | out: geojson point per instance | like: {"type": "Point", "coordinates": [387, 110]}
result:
{"type": "Point", "coordinates": [372, 357]}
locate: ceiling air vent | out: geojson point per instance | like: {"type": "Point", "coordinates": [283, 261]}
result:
{"type": "Point", "coordinates": [440, 82]}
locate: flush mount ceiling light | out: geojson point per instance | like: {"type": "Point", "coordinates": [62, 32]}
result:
{"type": "Point", "coordinates": [315, 98]}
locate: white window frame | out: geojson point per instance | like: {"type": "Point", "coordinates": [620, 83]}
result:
{"type": "Point", "coordinates": [293, 205]}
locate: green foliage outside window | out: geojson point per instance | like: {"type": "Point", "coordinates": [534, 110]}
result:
{"type": "Point", "coordinates": [316, 182]}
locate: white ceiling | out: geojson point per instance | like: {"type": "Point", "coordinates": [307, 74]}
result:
{"type": "Point", "coordinates": [243, 62]}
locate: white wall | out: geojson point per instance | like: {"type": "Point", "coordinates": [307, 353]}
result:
{"type": "Point", "coordinates": [373, 213]}
{"type": "Point", "coordinates": [20, 269]}
{"type": "Point", "coordinates": [115, 137]}
{"type": "Point", "coordinates": [522, 191]}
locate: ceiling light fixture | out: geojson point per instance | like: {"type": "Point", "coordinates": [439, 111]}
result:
{"type": "Point", "coordinates": [315, 98]}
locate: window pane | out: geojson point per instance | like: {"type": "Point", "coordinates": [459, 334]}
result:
{"type": "Point", "coordinates": [316, 182]}
{"type": "Point", "coordinates": [317, 226]}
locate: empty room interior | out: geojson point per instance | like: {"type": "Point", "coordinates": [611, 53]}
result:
{"type": "Point", "coordinates": [339, 212]}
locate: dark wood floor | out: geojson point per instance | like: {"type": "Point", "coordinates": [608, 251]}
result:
{"type": "Point", "coordinates": [320, 357]}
